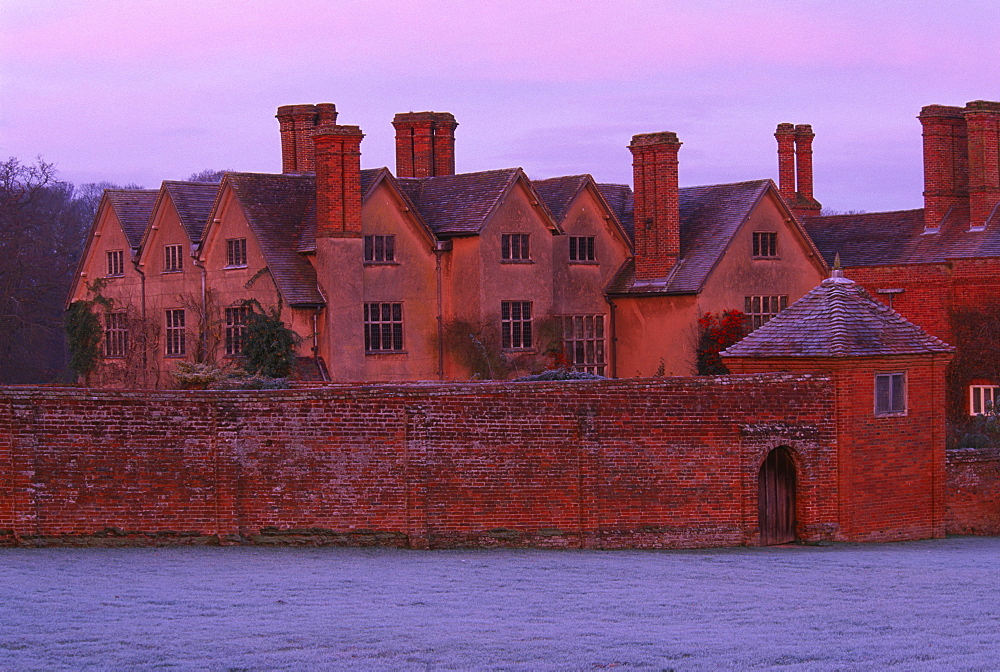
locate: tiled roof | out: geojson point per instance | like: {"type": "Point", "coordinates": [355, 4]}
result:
{"type": "Point", "coordinates": [455, 205]}
{"type": "Point", "coordinates": [279, 209]}
{"type": "Point", "coordinates": [622, 203]}
{"type": "Point", "coordinates": [891, 238]}
{"type": "Point", "coordinates": [710, 216]}
{"type": "Point", "coordinates": [837, 319]}
{"type": "Point", "coordinates": [559, 192]}
{"type": "Point", "coordinates": [194, 201]}
{"type": "Point", "coordinates": [133, 208]}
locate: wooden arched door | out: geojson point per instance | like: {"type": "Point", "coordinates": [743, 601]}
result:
{"type": "Point", "coordinates": [776, 498]}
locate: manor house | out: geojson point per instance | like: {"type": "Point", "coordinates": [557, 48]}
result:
{"type": "Point", "coordinates": [428, 274]}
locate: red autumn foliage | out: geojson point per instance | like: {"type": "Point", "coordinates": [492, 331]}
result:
{"type": "Point", "coordinates": [718, 332]}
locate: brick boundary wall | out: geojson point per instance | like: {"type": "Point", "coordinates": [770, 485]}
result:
{"type": "Point", "coordinates": [655, 463]}
{"type": "Point", "coordinates": [973, 491]}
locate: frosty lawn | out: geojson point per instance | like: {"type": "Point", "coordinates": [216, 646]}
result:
{"type": "Point", "coordinates": [909, 606]}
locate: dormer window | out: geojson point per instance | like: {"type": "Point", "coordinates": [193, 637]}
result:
{"type": "Point", "coordinates": [581, 248]}
{"type": "Point", "coordinates": [173, 259]}
{"type": "Point", "coordinates": [116, 263]}
{"type": "Point", "coordinates": [514, 247]}
{"type": "Point", "coordinates": [380, 249]}
{"type": "Point", "coordinates": [765, 244]}
{"type": "Point", "coordinates": [236, 252]}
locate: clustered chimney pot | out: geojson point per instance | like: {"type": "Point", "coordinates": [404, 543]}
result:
{"type": "Point", "coordinates": [425, 144]}
{"type": "Point", "coordinates": [296, 124]}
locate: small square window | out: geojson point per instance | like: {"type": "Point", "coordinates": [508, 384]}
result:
{"type": "Point", "coordinates": [116, 263]}
{"type": "Point", "coordinates": [581, 248]}
{"type": "Point", "coordinates": [380, 249]}
{"type": "Point", "coordinates": [514, 247]}
{"type": "Point", "coordinates": [236, 252]}
{"type": "Point", "coordinates": [173, 259]}
{"type": "Point", "coordinates": [765, 244]}
{"type": "Point", "coordinates": [890, 394]}
{"type": "Point", "coordinates": [983, 398]}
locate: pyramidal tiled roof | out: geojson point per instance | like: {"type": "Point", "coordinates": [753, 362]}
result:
{"type": "Point", "coordinates": [837, 319]}
{"type": "Point", "coordinates": [710, 216]}
{"type": "Point", "coordinates": [133, 208]}
{"type": "Point", "coordinates": [194, 201]}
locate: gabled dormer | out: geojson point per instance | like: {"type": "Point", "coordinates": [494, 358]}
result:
{"type": "Point", "coordinates": [176, 226]}
{"type": "Point", "coordinates": [114, 239]}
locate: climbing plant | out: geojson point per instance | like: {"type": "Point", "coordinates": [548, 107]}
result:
{"type": "Point", "coordinates": [715, 334]}
{"type": "Point", "coordinates": [268, 345]}
{"type": "Point", "coordinates": [83, 335]}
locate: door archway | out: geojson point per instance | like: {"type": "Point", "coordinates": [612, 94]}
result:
{"type": "Point", "coordinates": [776, 497]}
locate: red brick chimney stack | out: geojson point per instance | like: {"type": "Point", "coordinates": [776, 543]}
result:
{"type": "Point", "coordinates": [804, 162]}
{"type": "Point", "coordinates": [982, 119]}
{"type": "Point", "coordinates": [425, 144]}
{"type": "Point", "coordinates": [296, 123]}
{"type": "Point", "coordinates": [795, 168]}
{"type": "Point", "coordinates": [785, 135]}
{"type": "Point", "coordinates": [338, 181]}
{"type": "Point", "coordinates": [946, 162]}
{"type": "Point", "coordinates": [657, 204]}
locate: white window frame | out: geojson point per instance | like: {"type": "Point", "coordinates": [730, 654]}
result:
{"type": "Point", "coordinates": [515, 247]}
{"type": "Point", "coordinates": [380, 249]}
{"type": "Point", "coordinates": [983, 398]}
{"type": "Point", "coordinates": [383, 322]}
{"type": "Point", "coordinates": [236, 321]}
{"type": "Point", "coordinates": [584, 344]}
{"type": "Point", "coordinates": [116, 263]}
{"type": "Point", "coordinates": [890, 394]}
{"type": "Point", "coordinates": [173, 258]}
{"type": "Point", "coordinates": [765, 244]}
{"type": "Point", "coordinates": [115, 335]}
{"type": "Point", "coordinates": [760, 308]}
{"type": "Point", "coordinates": [236, 253]}
{"type": "Point", "coordinates": [582, 249]}
{"type": "Point", "coordinates": [516, 329]}
{"type": "Point", "coordinates": [175, 344]}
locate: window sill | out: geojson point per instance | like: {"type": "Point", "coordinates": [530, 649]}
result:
{"type": "Point", "coordinates": [517, 261]}
{"type": "Point", "coordinates": [226, 268]}
{"type": "Point", "coordinates": [588, 262]}
{"type": "Point", "coordinates": [174, 356]}
{"type": "Point", "coordinates": [386, 352]}
{"type": "Point", "coordinates": [766, 258]}
{"type": "Point", "coordinates": [179, 270]}
{"type": "Point", "coordinates": [893, 414]}
{"type": "Point", "coordinates": [521, 351]}
{"type": "Point", "coordinates": [120, 275]}
{"type": "Point", "coordinates": [381, 263]}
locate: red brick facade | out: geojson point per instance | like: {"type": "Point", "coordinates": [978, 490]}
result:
{"type": "Point", "coordinates": [608, 464]}
{"type": "Point", "coordinates": [650, 463]}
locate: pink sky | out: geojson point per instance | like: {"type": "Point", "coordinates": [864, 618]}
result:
{"type": "Point", "coordinates": [141, 91]}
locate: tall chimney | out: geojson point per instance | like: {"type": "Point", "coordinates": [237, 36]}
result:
{"type": "Point", "coordinates": [425, 144]}
{"type": "Point", "coordinates": [804, 163]}
{"type": "Point", "coordinates": [657, 205]}
{"type": "Point", "coordinates": [338, 181]}
{"type": "Point", "coordinates": [785, 135]}
{"type": "Point", "coordinates": [946, 162]}
{"type": "Point", "coordinates": [982, 119]}
{"type": "Point", "coordinates": [296, 123]}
